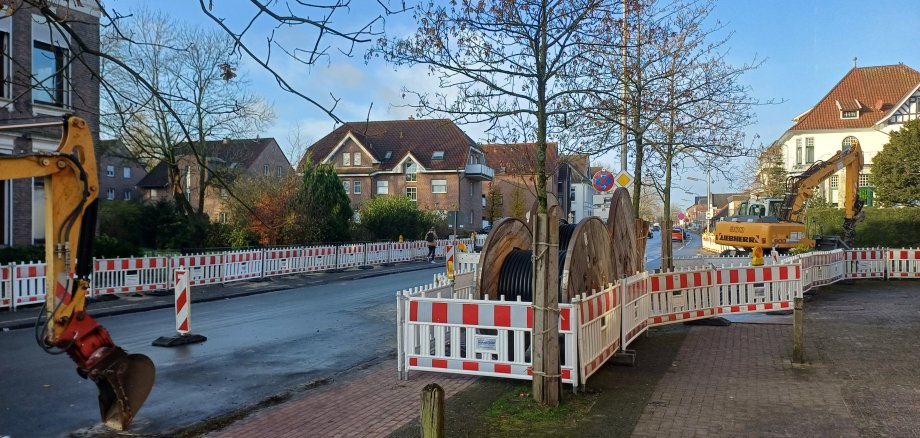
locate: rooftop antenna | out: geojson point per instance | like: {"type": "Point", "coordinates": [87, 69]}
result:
{"type": "Point", "coordinates": [854, 62]}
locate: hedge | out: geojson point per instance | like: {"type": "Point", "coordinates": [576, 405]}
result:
{"type": "Point", "coordinates": [889, 227]}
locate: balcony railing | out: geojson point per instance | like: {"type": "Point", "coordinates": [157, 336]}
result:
{"type": "Point", "coordinates": [479, 172]}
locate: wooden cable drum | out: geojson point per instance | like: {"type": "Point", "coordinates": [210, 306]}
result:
{"type": "Point", "coordinates": [507, 235]}
{"type": "Point", "coordinates": [588, 264]}
{"type": "Point", "coordinates": [506, 265]}
{"type": "Point", "coordinates": [621, 225]}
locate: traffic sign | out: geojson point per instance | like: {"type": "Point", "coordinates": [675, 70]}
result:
{"type": "Point", "coordinates": [681, 216]}
{"type": "Point", "coordinates": [603, 180]}
{"type": "Point", "coordinates": [623, 179]}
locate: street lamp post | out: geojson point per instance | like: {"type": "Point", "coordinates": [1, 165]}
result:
{"type": "Point", "coordinates": [708, 193]}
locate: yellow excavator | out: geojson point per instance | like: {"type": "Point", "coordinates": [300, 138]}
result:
{"type": "Point", "coordinates": [778, 223]}
{"type": "Point", "coordinates": [71, 189]}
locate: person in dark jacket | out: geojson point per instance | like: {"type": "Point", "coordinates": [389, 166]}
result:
{"type": "Point", "coordinates": [431, 237]}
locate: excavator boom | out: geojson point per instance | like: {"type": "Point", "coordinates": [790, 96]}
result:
{"type": "Point", "coordinates": [71, 190]}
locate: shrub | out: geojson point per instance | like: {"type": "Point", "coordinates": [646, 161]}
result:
{"type": "Point", "coordinates": [891, 227]}
{"type": "Point", "coordinates": [21, 254]}
{"type": "Point", "coordinates": [106, 246]}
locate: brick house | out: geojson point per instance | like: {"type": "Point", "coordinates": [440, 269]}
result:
{"type": "Point", "coordinates": [513, 191]}
{"type": "Point", "coordinates": [431, 161]}
{"type": "Point", "coordinates": [231, 158]}
{"type": "Point", "coordinates": [865, 106]}
{"type": "Point", "coordinates": [42, 75]}
{"type": "Point", "coordinates": [119, 172]}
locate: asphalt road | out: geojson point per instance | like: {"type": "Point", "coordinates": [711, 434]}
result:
{"type": "Point", "coordinates": [257, 346]}
{"type": "Point", "coordinates": [688, 248]}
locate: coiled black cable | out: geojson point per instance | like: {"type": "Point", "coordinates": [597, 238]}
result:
{"type": "Point", "coordinates": [515, 278]}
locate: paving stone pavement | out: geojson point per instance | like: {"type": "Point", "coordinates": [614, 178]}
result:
{"type": "Point", "coordinates": [859, 379]}
{"type": "Point", "coordinates": [373, 403]}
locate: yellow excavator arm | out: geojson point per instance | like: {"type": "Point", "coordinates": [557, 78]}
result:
{"type": "Point", "coordinates": [801, 187]}
{"type": "Point", "coordinates": [71, 192]}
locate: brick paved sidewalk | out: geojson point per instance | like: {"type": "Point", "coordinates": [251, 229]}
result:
{"type": "Point", "coordinates": [373, 403]}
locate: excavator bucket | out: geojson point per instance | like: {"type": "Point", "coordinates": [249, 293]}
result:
{"type": "Point", "coordinates": [124, 381]}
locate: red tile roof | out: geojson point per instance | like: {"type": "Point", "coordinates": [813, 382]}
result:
{"type": "Point", "coordinates": [876, 90]}
{"type": "Point", "coordinates": [518, 158]}
{"type": "Point", "coordinates": [399, 137]}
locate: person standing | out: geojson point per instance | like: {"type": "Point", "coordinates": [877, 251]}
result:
{"type": "Point", "coordinates": [431, 237]}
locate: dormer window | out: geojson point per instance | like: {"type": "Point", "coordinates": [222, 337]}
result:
{"type": "Point", "coordinates": [851, 114]}
{"type": "Point", "coordinates": [411, 170]}
{"type": "Point", "coordinates": [437, 155]}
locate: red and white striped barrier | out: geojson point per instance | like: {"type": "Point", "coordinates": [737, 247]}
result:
{"type": "Point", "coordinates": [284, 261]}
{"type": "Point", "coordinates": [115, 276]}
{"type": "Point", "coordinates": [449, 260]}
{"type": "Point", "coordinates": [6, 288]}
{"type": "Point", "coordinates": [203, 268]}
{"type": "Point", "coordinates": [904, 263]}
{"type": "Point", "coordinates": [495, 334]}
{"type": "Point", "coordinates": [377, 253]}
{"type": "Point", "coordinates": [634, 296]}
{"type": "Point", "coordinates": [599, 330]}
{"type": "Point", "coordinates": [681, 296]}
{"type": "Point", "coordinates": [419, 249]}
{"type": "Point", "coordinates": [28, 284]}
{"type": "Point", "coordinates": [865, 263]}
{"type": "Point", "coordinates": [350, 256]}
{"type": "Point", "coordinates": [757, 288]}
{"type": "Point", "coordinates": [242, 265]}
{"type": "Point", "coordinates": [183, 301]}
{"type": "Point", "coordinates": [400, 252]}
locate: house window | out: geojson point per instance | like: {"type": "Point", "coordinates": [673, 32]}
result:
{"type": "Point", "coordinates": [798, 152]}
{"type": "Point", "coordinates": [224, 194]}
{"type": "Point", "coordinates": [383, 187]}
{"type": "Point", "coordinates": [347, 186]}
{"type": "Point", "coordinates": [439, 186]}
{"type": "Point", "coordinates": [110, 171]}
{"type": "Point", "coordinates": [126, 172]}
{"type": "Point", "coordinates": [153, 193]}
{"type": "Point", "coordinates": [437, 155]}
{"type": "Point", "coordinates": [412, 194]}
{"type": "Point", "coordinates": [223, 217]}
{"type": "Point", "coordinates": [411, 170]}
{"type": "Point", "coordinates": [278, 171]}
{"type": "Point", "coordinates": [110, 194]}
{"type": "Point", "coordinates": [346, 159]}
{"type": "Point", "coordinates": [266, 170]}
{"type": "Point", "coordinates": [849, 114]}
{"type": "Point", "coordinates": [357, 187]}
{"type": "Point", "coordinates": [357, 159]}
{"type": "Point", "coordinates": [835, 182]}
{"type": "Point", "coordinates": [4, 63]}
{"type": "Point", "coordinates": [864, 180]}
{"type": "Point", "coordinates": [849, 142]}
{"type": "Point", "coordinates": [809, 150]}
{"type": "Point", "coordinates": [48, 74]}
{"type": "Point", "coordinates": [387, 155]}
{"type": "Point", "coordinates": [127, 195]}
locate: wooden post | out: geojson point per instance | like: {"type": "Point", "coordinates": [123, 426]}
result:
{"type": "Point", "coordinates": [432, 417]}
{"type": "Point", "coordinates": [546, 371]}
{"type": "Point", "coordinates": [798, 331]}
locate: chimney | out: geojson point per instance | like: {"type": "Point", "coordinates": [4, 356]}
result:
{"type": "Point", "coordinates": [411, 118]}
{"type": "Point", "coordinates": [879, 104]}
{"type": "Point", "coordinates": [400, 134]}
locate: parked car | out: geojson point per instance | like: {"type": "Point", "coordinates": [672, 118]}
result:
{"type": "Point", "coordinates": [678, 234]}
{"type": "Point", "coordinates": [656, 227]}
{"type": "Point", "coordinates": [484, 230]}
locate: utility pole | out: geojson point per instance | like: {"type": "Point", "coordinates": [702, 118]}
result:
{"type": "Point", "coordinates": [625, 93]}
{"type": "Point", "coordinates": [708, 193]}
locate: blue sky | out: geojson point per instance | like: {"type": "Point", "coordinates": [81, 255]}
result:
{"type": "Point", "coordinates": [807, 47]}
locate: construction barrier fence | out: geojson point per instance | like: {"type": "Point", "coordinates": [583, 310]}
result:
{"type": "Point", "coordinates": [442, 328]}
{"type": "Point", "coordinates": [24, 283]}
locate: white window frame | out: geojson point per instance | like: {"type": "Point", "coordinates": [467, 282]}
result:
{"type": "Point", "coordinates": [50, 35]}
{"type": "Point", "coordinates": [109, 171]}
{"type": "Point", "coordinates": [835, 182]}
{"type": "Point", "coordinates": [437, 155]}
{"type": "Point", "coordinates": [864, 180]}
{"type": "Point", "coordinates": [153, 193]}
{"type": "Point", "coordinates": [356, 159]}
{"type": "Point", "coordinates": [346, 159]}
{"type": "Point", "coordinates": [848, 142]}
{"type": "Point", "coordinates": [266, 169]}
{"type": "Point", "coordinates": [414, 196]}
{"type": "Point", "coordinates": [347, 185]}
{"type": "Point", "coordinates": [809, 150]}
{"type": "Point", "coordinates": [110, 194]}
{"type": "Point", "coordinates": [798, 152]}
{"type": "Point", "coordinates": [357, 189]}
{"type": "Point", "coordinates": [278, 172]}
{"type": "Point", "coordinates": [849, 114]}
{"type": "Point", "coordinates": [443, 183]}
{"type": "Point", "coordinates": [222, 217]}
{"type": "Point", "coordinates": [126, 172]}
{"type": "Point", "coordinates": [385, 185]}
{"type": "Point", "coordinates": [127, 195]}
{"type": "Point", "coordinates": [411, 176]}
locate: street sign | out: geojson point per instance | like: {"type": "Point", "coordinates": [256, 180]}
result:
{"type": "Point", "coordinates": [681, 216]}
{"type": "Point", "coordinates": [623, 179]}
{"type": "Point", "coordinates": [603, 180]}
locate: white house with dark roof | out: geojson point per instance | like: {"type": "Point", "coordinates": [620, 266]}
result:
{"type": "Point", "coordinates": [865, 106]}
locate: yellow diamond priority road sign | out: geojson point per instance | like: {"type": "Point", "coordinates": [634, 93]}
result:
{"type": "Point", "coordinates": [623, 179]}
